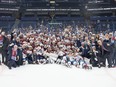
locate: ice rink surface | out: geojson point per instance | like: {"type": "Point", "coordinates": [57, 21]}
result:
{"type": "Point", "coordinates": [53, 75]}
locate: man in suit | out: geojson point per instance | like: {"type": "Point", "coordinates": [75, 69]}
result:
{"type": "Point", "coordinates": [81, 50]}
{"type": "Point", "coordinates": [4, 47]}
{"type": "Point", "coordinates": [7, 42]}
{"type": "Point", "coordinates": [107, 49]}
{"type": "Point", "coordinates": [113, 56]}
{"type": "Point", "coordinates": [100, 53]}
{"type": "Point", "coordinates": [1, 44]}
{"type": "Point", "coordinates": [84, 49]}
{"type": "Point", "coordinates": [78, 42]}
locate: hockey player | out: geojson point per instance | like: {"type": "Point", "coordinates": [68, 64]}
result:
{"type": "Point", "coordinates": [60, 57]}
{"type": "Point", "coordinates": [40, 59]}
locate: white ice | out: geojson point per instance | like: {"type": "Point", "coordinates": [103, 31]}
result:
{"type": "Point", "coordinates": [53, 75]}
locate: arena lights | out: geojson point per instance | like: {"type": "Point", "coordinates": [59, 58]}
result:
{"type": "Point", "coordinates": [8, 1]}
{"type": "Point", "coordinates": [52, 2]}
{"type": "Point", "coordinates": [96, 1]}
{"type": "Point", "coordinates": [55, 23]}
{"type": "Point", "coordinates": [113, 8]}
{"type": "Point", "coordinates": [52, 9]}
{"type": "Point", "coordinates": [9, 9]}
{"type": "Point", "coordinates": [98, 9]}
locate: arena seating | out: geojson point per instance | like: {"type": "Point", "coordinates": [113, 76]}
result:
{"type": "Point", "coordinates": [6, 22]}
{"type": "Point", "coordinates": [99, 22]}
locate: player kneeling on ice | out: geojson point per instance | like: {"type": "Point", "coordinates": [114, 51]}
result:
{"type": "Point", "coordinates": [40, 58]}
{"type": "Point", "coordinates": [13, 57]}
{"type": "Point", "coordinates": [61, 54]}
{"type": "Point", "coordinates": [65, 61]}
{"type": "Point", "coordinates": [80, 62]}
{"type": "Point", "coordinates": [28, 55]}
{"type": "Point", "coordinates": [69, 59]}
{"type": "Point", "coordinates": [48, 58]}
{"type": "Point", "coordinates": [83, 63]}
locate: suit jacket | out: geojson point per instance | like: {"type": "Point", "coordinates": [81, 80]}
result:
{"type": "Point", "coordinates": [6, 42]}
{"type": "Point", "coordinates": [100, 51]}
{"type": "Point", "coordinates": [84, 52]}
{"type": "Point", "coordinates": [78, 43]}
{"type": "Point", "coordinates": [107, 46]}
